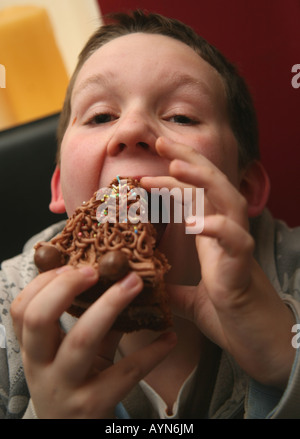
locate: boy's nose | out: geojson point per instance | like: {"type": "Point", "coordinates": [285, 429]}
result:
{"type": "Point", "coordinates": [132, 133]}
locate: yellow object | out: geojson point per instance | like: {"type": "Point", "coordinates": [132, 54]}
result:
{"type": "Point", "coordinates": [36, 78]}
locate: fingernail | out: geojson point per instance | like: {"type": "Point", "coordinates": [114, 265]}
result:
{"type": "Point", "coordinates": [87, 270]}
{"type": "Point", "coordinates": [130, 281]}
{"type": "Point", "coordinates": [181, 164]}
{"type": "Point", "coordinates": [164, 140]}
{"type": "Point", "coordinates": [63, 268]}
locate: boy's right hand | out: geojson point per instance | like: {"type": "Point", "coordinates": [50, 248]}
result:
{"type": "Point", "coordinates": [72, 375]}
{"type": "Point", "coordinates": [234, 304]}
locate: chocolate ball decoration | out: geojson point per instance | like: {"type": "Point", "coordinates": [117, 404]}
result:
{"type": "Point", "coordinates": [48, 257]}
{"type": "Point", "coordinates": [113, 265]}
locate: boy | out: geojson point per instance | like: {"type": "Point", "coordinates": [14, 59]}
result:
{"type": "Point", "coordinates": [149, 98]}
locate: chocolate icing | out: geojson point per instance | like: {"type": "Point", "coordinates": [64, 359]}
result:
{"type": "Point", "coordinates": [113, 248]}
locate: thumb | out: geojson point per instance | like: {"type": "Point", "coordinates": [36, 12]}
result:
{"type": "Point", "coordinates": [182, 300]}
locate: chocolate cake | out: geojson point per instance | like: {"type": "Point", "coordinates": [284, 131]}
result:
{"type": "Point", "coordinates": [112, 233]}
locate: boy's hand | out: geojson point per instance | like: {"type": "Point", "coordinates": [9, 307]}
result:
{"type": "Point", "coordinates": [234, 304]}
{"type": "Point", "coordinates": [72, 375]}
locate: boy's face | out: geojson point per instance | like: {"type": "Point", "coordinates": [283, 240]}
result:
{"type": "Point", "coordinates": [131, 91]}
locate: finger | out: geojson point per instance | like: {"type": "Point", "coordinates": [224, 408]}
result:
{"type": "Point", "coordinates": [41, 332]}
{"type": "Point", "coordinates": [173, 150]}
{"type": "Point", "coordinates": [160, 181]}
{"type": "Point", "coordinates": [182, 298]}
{"type": "Point", "coordinates": [182, 152]}
{"type": "Point", "coordinates": [195, 202]}
{"type": "Point", "coordinates": [192, 168]}
{"type": "Point", "coordinates": [77, 354]}
{"type": "Point", "coordinates": [233, 239]}
{"type": "Point", "coordinates": [130, 370]}
{"type": "Point", "coordinates": [223, 196]}
{"type": "Point", "coordinates": [107, 350]}
{"type": "Point", "coordinates": [193, 303]}
{"type": "Point", "coordinates": [21, 302]}
{"type": "Point", "coordinates": [226, 248]}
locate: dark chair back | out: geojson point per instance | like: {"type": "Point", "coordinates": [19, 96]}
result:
{"type": "Point", "coordinates": [27, 160]}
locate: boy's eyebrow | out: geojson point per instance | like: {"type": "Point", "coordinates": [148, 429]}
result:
{"type": "Point", "coordinates": [175, 79]}
{"type": "Point", "coordinates": [184, 79]}
{"type": "Point", "coordinates": [90, 81]}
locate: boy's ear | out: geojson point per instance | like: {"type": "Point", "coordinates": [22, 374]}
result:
{"type": "Point", "coordinates": [57, 204]}
{"type": "Point", "coordinates": [255, 187]}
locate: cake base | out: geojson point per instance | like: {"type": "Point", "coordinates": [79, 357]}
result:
{"type": "Point", "coordinates": [149, 310]}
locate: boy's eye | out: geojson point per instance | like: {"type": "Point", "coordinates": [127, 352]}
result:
{"type": "Point", "coordinates": [98, 119]}
{"type": "Point", "coordinates": [182, 120]}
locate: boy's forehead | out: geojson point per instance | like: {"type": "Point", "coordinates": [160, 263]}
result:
{"type": "Point", "coordinates": [157, 52]}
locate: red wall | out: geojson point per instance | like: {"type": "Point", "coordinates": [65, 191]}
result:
{"type": "Point", "coordinates": [263, 38]}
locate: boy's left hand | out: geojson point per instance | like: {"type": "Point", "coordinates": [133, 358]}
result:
{"type": "Point", "coordinates": [234, 304]}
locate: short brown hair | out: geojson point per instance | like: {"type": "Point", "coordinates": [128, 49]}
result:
{"type": "Point", "coordinates": [242, 115]}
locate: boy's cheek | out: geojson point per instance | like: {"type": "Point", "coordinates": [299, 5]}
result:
{"type": "Point", "coordinates": [80, 155]}
{"type": "Point", "coordinates": [219, 146]}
